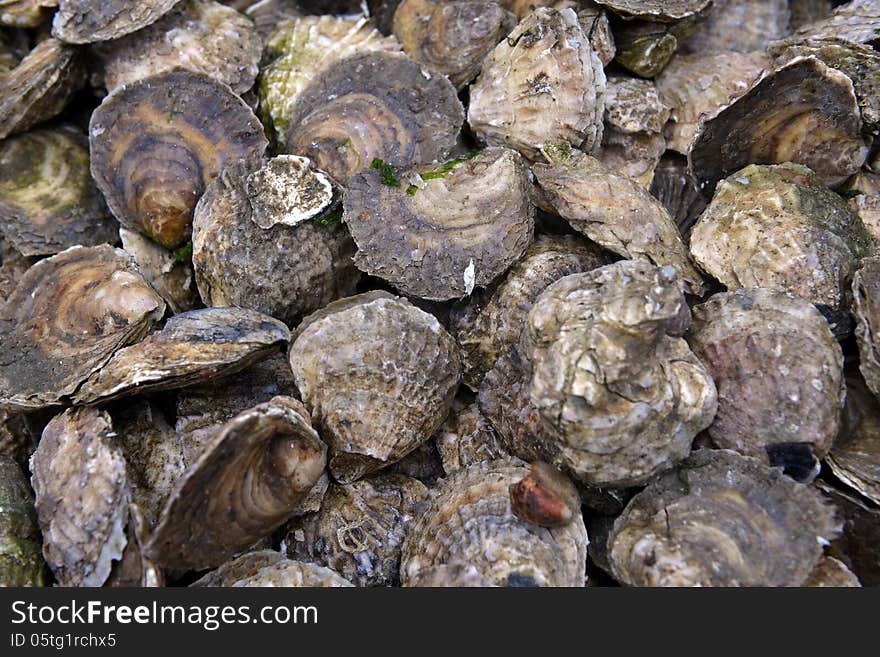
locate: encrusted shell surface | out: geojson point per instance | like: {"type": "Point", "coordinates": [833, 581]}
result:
{"type": "Point", "coordinates": [855, 454]}
{"type": "Point", "coordinates": [543, 84]}
{"type": "Point", "coordinates": [632, 155]}
{"type": "Point", "coordinates": [778, 369]}
{"type": "Point", "coordinates": [721, 519]}
{"type": "Point", "coordinates": [243, 486]}
{"type": "Point", "coordinates": [82, 494]}
{"type": "Point", "coordinates": [156, 144]}
{"type": "Point", "coordinates": [88, 21]}
{"type": "Point", "coordinates": [66, 318]}
{"type": "Point", "coordinates": [287, 190]}
{"type": "Point", "coordinates": [466, 438]}
{"type": "Point", "coordinates": [240, 567]}
{"type": "Point", "coordinates": [669, 10]}
{"type": "Point", "coordinates": [445, 239]}
{"type": "Point", "coordinates": [468, 520]}
{"type": "Point", "coordinates": [831, 572]}
{"type": "Point", "coordinates": [781, 226]}
{"type": "Point", "coordinates": [21, 560]}
{"type": "Point", "coordinates": [858, 21]}
{"type": "Point", "coordinates": [740, 26]}
{"type": "Point", "coordinates": [378, 375]}
{"type": "Point", "coordinates": [270, 568]}
{"type": "Point", "coordinates": [868, 208]}
{"type": "Point", "coordinates": [170, 273]}
{"type": "Point", "coordinates": [633, 105]}
{"type": "Point", "coordinates": [866, 309]}
{"type": "Point", "coordinates": [450, 576]}
{"type": "Point", "coordinates": [857, 546]}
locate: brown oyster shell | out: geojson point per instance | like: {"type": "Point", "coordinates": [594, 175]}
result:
{"type": "Point", "coordinates": [378, 375]}
{"type": "Point", "coordinates": [134, 568]}
{"type": "Point", "coordinates": [243, 486]}
{"type": "Point", "coordinates": [444, 240]}
{"type": "Point", "coordinates": [457, 575]}
{"type": "Point", "coordinates": [359, 530]}
{"type": "Point", "coordinates": [89, 21]}
{"type": "Point", "coordinates": [855, 454]}
{"type": "Point", "coordinates": [615, 212]}
{"type": "Point", "coordinates": [832, 573]}
{"type": "Point", "coordinates": [633, 155]}
{"type": "Point", "coordinates": [192, 347]}
{"type": "Point", "coordinates": [866, 309]}
{"type": "Point", "coordinates": [679, 193]}
{"type": "Point", "coordinates": [157, 143]}
{"type": "Point", "coordinates": [286, 190]}
{"type": "Point", "coordinates": [857, 545]}
{"type": "Point", "coordinates": [374, 105]}
{"type": "Point", "coordinates": [270, 568]}
{"type": "Point", "coordinates": [197, 35]}
{"type": "Point", "coordinates": [241, 567]}
{"type": "Point", "coordinates": [82, 493]}
{"type": "Point", "coordinates": [740, 26]}
{"type": "Point", "coordinates": [25, 13]}
{"type": "Point", "coordinates": [466, 438]}
{"type": "Point", "coordinates": [66, 318]}
{"type": "Point", "coordinates": [780, 226]}
{"type": "Point", "coordinates": [468, 520]}
{"type": "Point", "coordinates": [721, 519]}
{"type": "Point", "coordinates": [857, 21]}
{"type": "Point", "coordinates": [804, 112]}
{"type": "Point", "coordinates": [21, 558]}
{"type": "Point", "coordinates": [633, 105]}
{"type": "Point", "coordinates": [664, 10]}
{"type": "Point", "coordinates": [543, 84]}
{"type": "Point", "coordinates": [778, 369]}
{"type": "Point", "coordinates": [170, 273]}
{"type": "Point", "coordinates": [595, 24]}
{"type": "Point", "coordinates": [868, 208]}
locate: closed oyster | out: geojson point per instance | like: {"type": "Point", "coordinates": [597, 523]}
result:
{"type": "Point", "coordinates": [89, 21]}
{"type": "Point", "coordinates": [157, 143]}
{"type": "Point", "coordinates": [830, 572]}
{"type": "Point", "coordinates": [466, 438]}
{"type": "Point", "coordinates": [664, 10]}
{"type": "Point", "coordinates": [134, 568]}
{"type": "Point", "coordinates": [451, 38]}
{"type": "Point", "coordinates": [48, 201]}
{"type": "Point", "coordinates": [82, 493]}
{"type": "Point", "coordinates": [25, 13]}
{"type": "Point", "coordinates": [644, 47]}
{"type": "Point", "coordinates": [866, 309]}
{"type": "Point", "coordinates": [378, 375]}
{"type": "Point", "coordinates": [803, 112]}
{"type": "Point", "coordinates": [721, 519]}
{"type": "Point", "coordinates": [740, 26]}
{"type": "Point", "coordinates": [170, 273]}
{"type": "Point", "coordinates": [469, 520]}
{"type": "Point", "coordinates": [374, 105]}
{"type": "Point", "coordinates": [780, 226]}
{"type": "Point", "coordinates": [21, 560]}
{"type": "Point", "coordinates": [615, 212]}
{"type": "Point", "coordinates": [855, 455]}
{"type": "Point", "coordinates": [543, 84]}
{"type": "Point", "coordinates": [778, 369]}
{"type": "Point", "coordinates": [487, 323]}
{"type": "Point", "coordinates": [243, 486]}
{"type": "Point", "coordinates": [359, 530]}
{"type": "Point", "coordinates": [677, 190]}
{"type": "Point", "coordinates": [198, 35]}
{"type": "Point", "coordinates": [444, 240]}
{"type": "Point", "coordinates": [192, 347]}
{"type": "Point", "coordinates": [66, 318]}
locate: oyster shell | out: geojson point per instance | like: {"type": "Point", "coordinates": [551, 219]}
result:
{"type": "Point", "coordinates": [866, 309]}
{"type": "Point", "coordinates": [469, 520]}
{"type": "Point", "coordinates": [677, 190]}
{"type": "Point", "coordinates": [66, 318]}
{"type": "Point", "coordinates": [25, 13]}
{"type": "Point", "coordinates": [664, 10]}
{"type": "Point", "coordinates": [134, 568]}
{"type": "Point", "coordinates": [721, 519]}
{"type": "Point", "coordinates": [378, 375]}
{"type": "Point", "coordinates": [157, 143]}
{"type": "Point", "coordinates": [170, 273]}
{"type": "Point", "coordinates": [855, 454]}
{"type": "Point", "coordinates": [241, 567]}
{"type": "Point", "coordinates": [269, 568]}
{"type": "Point", "coordinates": [466, 438]}
{"type": "Point", "coordinates": [21, 560]}
{"type": "Point", "coordinates": [857, 20]}
{"type": "Point", "coordinates": [830, 572]}
{"type": "Point", "coordinates": [545, 497]}
{"type": "Point", "coordinates": [444, 239]}
{"type": "Point", "coordinates": [286, 190]}
{"type": "Point", "coordinates": [450, 576]}
{"type": "Point", "coordinates": [740, 26]}
{"type": "Point", "coordinates": [868, 209]}
{"type": "Point", "coordinates": [88, 21]}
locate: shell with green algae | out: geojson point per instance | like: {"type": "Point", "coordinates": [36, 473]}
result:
{"type": "Point", "coordinates": [90, 21]}
{"type": "Point", "coordinates": [21, 558]}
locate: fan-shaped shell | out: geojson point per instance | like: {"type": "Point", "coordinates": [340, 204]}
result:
{"type": "Point", "coordinates": [88, 21]}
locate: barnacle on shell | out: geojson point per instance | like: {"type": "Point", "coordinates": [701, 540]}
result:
{"type": "Point", "coordinates": [89, 21]}
{"type": "Point", "coordinates": [21, 559]}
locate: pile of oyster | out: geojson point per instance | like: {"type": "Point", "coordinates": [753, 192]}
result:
{"type": "Point", "coordinates": [439, 293]}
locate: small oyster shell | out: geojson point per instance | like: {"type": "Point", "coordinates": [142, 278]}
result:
{"type": "Point", "coordinates": [466, 438]}
{"type": "Point", "coordinates": [170, 273]}
{"type": "Point", "coordinates": [25, 13]}
{"type": "Point", "coordinates": [645, 47]}
{"type": "Point", "coordinates": [778, 369]}
{"type": "Point", "coordinates": [866, 309]}
{"type": "Point", "coordinates": [192, 347]}
{"type": "Point", "coordinates": [157, 143]}
{"type": "Point", "coordinates": [780, 226]}
{"type": "Point", "coordinates": [378, 375]}
{"type": "Point", "coordinates": [830, 572]}
{"type": "Point", "coordinates": [855, 455]}
{"type": "Point", "coordinates": [721, 520]}
{"type": "Point", "coordinates": [89, 21]}
{"type": "Point", "coordinates": [740, 26]}
{"type": "Point", "coordinates": [468, 520]}
{"type": "Point", "coordinates": [134, 568]}
{"type": "Point", "coordinates": [197, 35]}
{"type": "Point", "coordinates": [444, 240]}
{"type": "Point", "coordinates": [21, 560]}
{"type": "Point", "coordinates": [633, 105]}
{"type": "Point", "coordinates": [243, 486]}
{"type": "Point", "coordinates": [359, 530]}
{"type": "Point", "coordinates": [666, 10]}
{"type": "Point", "coordinates": [82, 494]}
{"type": "Point", "coordinates": [96, 302]}
{"type": "Point", "coordinates": [543, 84]}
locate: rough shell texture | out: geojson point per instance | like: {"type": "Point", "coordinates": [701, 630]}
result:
{"type": "Point", "coordinates": [134, 568]}
{"type": "Point", "coordinates": [656, 9]}
{"type": "Point", "coordinates": [192, 347]}
{"type": "Point", "coordinates": [468, 520]}
{"type": "Point", "coordinates": [450, 576]}
{"type": "Point", "coordinates": [198, 35]}
{"type": "Point", "coordinates": [543, 84]}
{"type": "Point", "coordinates": [294, 574]}
{"type": "Point", "coordinates": [632, 155]}
{"type": "Point", "coordinates": [269, 14]}
{"type": "Point", "coordinates": [157, 143]}
{"type": "Point", "coordinates": [243, 486]}
{"type": "Point", "coordinates": [830, 572]}
{"type": "Point", "coordinates": [740, 26]}
{"type": "Point", "coordinates": [855, 455]}
{"type": "Point", "coordinates": [241, 567]}
{"type": "Point", "coordinates": [88, 21]}
{"type": "Point", "coordinates": [460, 229]}
{"type": "Point", "coordinates": [721, 520]}
{"type": "Point", "coordinates": [679, 193]}
{"type": "Point", "coordinates": [359, 530]}
{"type": "Point", "coordinates": [66, 318]}
{"type": "Point", "coordinates": [378, 375]}
{"type": "Point", "coordinates": [633, 105]}
{"type": "Point", "coordinates": [170, 273]}
{"type": "Point", "coordinates": [466, 438]}
{"type": "Point", "coordinates": [866, 309]}
{"type": "Point", "coordinates": [858, 21]}
{"type": "Point", "coordinates": [868, 209]}
{"type": "Point", "coordinates": [82, 494]}
{"type": "Point", "coordinates": [48, 201]}
{"type": "Point", "coordinates": [778, 369]}
{"type": "Point", "coordinates": [287, 190]}
{"type": "Point", "coordinates": [374, 105]}
{"type": "Point", "coordinates": [780, 225]}
{"type": "Point", "coordinates": [21, 560]}
{"type": "Point", "coordinates": [804, 12]}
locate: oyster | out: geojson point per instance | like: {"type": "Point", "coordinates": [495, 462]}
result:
{"type": "Point", "coordinates": [378, 375]}
{"type": "Point", "coordinates": [855, 454]}
{"type": "Point", "coordinates": [240, 567]}
{"type": "Point", "coordinates": [134, 568]}
{"type": "Point", "coordinates": [857, 21]}
{"type": "Point", "coordinates": [21, 560]}
{"type": "Point", "coordinates": [543, 84]}
{"type": "Point", "coordinates": [778, 369]}
{"type": "Point", "coordinates": [359, 530]}
{"type": "Point", "coordinates": [645, 47]}
{"type": "Point", "coordinates": [677, 190]}
{"type": "Point", "coordinates": [830, 572]}
{"type": "Point", "coordinates": [443, 240]}
{"type": "Point", "coordinates": [88, 21]}
{"type": "Point", "coordinates": [664, 10]}
{"type": "Point", "coordinates": [82, 494]}
{"type": "Point", "coordinates": [740, 26]}
{"type": "Point", "coordinates": [868, 209]}
{"type": "Point", "coordinates": [469, 520]}
{"type": "Point", "coordinates": [721, 519]}
{"type": "Point", "coordinates": [243, 486]}
{"type": "Point", "coordinates": [466, 438]}
{"type": "Point", "coordinates": [192, 347]}
{"type": "Point", "coordinates": [198, 35]}
{"type": "Point", "coordinates": [170, 273]}
{"type": "Point", "coordinates": [448, 576]}
{"type": "Point", "coordinates": [66, 318]}
{"type": "Point", "coordinates": [48, 201]}
{"type": "Point", "coordinates": [269, 568]}
{"type": "Point", "coordinates": [156, 144]}
{"type": "Point", "coordinates": [857, 546]}
{"type": "Point", "coordinates": [545, 497]}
